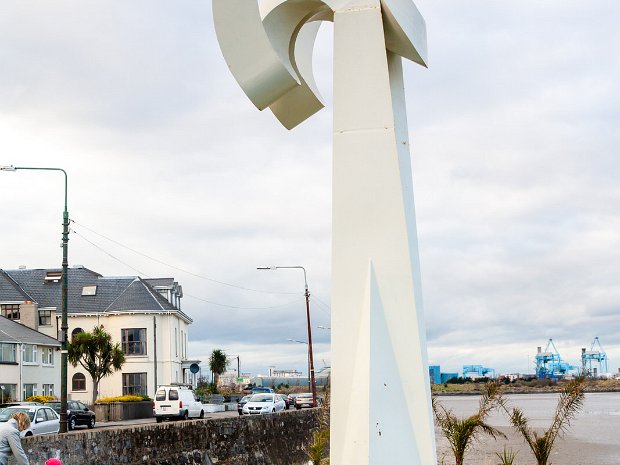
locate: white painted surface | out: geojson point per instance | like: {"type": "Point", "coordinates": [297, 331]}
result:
{"type": "Point", "coordinates": [378, 333]}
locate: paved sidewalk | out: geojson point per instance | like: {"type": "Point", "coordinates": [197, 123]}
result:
{"type": "Point", "coordinates": [144, 421]}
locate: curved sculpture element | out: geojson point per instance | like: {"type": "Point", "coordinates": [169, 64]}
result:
{"type": "Point", "coordinates": [248, 52]}
{"type": "Point", "coordinates": [378, 333]}
{"type": "Point", "coordinates": [292, 30]}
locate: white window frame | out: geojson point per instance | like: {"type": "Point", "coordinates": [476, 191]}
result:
{"type": "Point", "coordinates": [34, 390]}
{"type": "Point", "coordinates": [32, 360]}
{"type": "Point", "coordinates": [47, 356]}
{"type": "Point", "coordinates": [5, 347]}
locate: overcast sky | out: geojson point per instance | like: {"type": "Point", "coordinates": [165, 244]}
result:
{"type": "Point", "coordinates": [173, 172]}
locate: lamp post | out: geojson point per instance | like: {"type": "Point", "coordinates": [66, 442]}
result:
{"type": "Point", "coordinates": [308, 359]}
{"type": "Point", "coordinates": [307, 294]}
{"type": "Point", "coordinates": [65, 265]}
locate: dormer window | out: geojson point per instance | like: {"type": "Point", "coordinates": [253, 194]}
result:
{"type": "Point", "coordinates": [89, 290]}
{"type": "Point", "coordinates": [10, 311]}
{"type": "Point", "coordinates": [53, 276]}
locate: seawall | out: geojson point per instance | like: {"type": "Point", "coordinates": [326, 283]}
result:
{"type": "Point", "coordinates": [262, 440]}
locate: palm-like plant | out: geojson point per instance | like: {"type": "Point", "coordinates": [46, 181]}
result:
{"type": "Point", "coordinates": [569, 404]}
{"type": "Point", "coordinates": [97, 354]}
{"type": "Point", "coordinates": [461, 432]}
{"type": "Point", "coordinates": [218, 362]}
{"type": "Point", "coordinates": [507, 457]}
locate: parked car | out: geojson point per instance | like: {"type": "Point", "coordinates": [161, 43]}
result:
{"type": "Point", "coordinates": [259, 389]}
{"type": "Point", "coordinates": [284, 399]}
{"type": "Point", "coordinates": [304, 400]}
{"type": "Point", "coordinates": [290, 399]}
{"type": "Point", "coordinates": [78, 414]}
{"type": "Point", "coordinates": [11, 404]}
{"type": "Point", "coordinates": [176, 402]}
{"type": "Point", "coordinates": [241, 403]}
{"type": "Point", "coordinates": [43, 419]}
{"type": "Point", "coordinates": [261, 404]}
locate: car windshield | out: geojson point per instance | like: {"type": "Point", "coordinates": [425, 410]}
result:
{"type": "Point", "coordinates": [6, 414]}
{"type": "Point", "coordinates": [304, 395]}
{"type": "Point", "coordinates": [262, 398]}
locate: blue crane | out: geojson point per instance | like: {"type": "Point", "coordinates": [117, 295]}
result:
{"type": "Point", "coordinates": [596, 355]}
{"type": "Point", "coordinates": [477, 371]}
{"type": "Point", "coordinates": [549, 364]}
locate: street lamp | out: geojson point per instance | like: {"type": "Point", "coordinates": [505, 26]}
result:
{"type": "Point", "coordinates": [312, 381]}
{"type": "Point", "coordinates": [65, 265]}
{"type": "Point", "coordinates": [308, 359]}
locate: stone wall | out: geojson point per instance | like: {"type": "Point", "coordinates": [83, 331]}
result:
{"type": "Point", "coordinates": [264, 440]}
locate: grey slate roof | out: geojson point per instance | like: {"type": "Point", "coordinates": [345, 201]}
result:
{"type": "Point", "coordinates": [10, 290]}
{"type": "Point", "coordinates": [113, 294]}
{"type": "Point", "coordinates": [13, 332]}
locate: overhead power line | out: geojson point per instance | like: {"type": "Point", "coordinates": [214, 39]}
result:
{"type": "Point", "coordinates": [161, 262]}
{"type": "Point", "coordinates": [186, 294]}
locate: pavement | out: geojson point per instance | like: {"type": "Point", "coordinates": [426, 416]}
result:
{"type": "Point", "coordinates": [146, 421]}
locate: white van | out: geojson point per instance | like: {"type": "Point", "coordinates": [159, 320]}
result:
{"type": "Point", "coordinates": [176, 402]}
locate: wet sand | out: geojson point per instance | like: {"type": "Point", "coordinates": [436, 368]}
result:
{"type": "Point", "coordinates": [593, 438]}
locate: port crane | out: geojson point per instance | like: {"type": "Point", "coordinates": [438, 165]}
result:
{"type": "Point", "coordinates": [549, 364]}
{"type": "Point", "coordinates": [477, 371]}
{"type": "Point", "coordinates": [595, 355]}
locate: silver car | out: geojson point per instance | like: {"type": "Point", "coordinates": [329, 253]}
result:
{"type": "Point", "coordinates": [43, 420]}
{"type": "Point", "coordinates": [261, 404]}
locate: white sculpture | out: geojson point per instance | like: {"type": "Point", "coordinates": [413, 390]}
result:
{"type": "Point", "coordinates": [380, 403]}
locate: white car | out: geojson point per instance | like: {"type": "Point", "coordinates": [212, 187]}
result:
{"type": "Point", "coordinates": [262, 404]}
{"type": "Point", "coordinates": [43, 419]}
{"type": "Point", "coordinates": [176, 402]}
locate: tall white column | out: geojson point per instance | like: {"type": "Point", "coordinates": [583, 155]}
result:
{"type": "Point", "coordinates": [381, 413]}
{"type": "Point", "coordinates": [381, 406]}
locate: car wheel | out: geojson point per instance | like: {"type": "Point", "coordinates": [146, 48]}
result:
{"type": "Point", "coordinates": [185, 415]}
{"type": "Point", "coordinates": [71, 423]}
{"type": "Point", "coordinates": [159, 419]}
{"type": "Point", "coordinates": [91, 423]}
{"type": "Point", "coordinates": [202, 414]}
{"type": "Point", "coordinates": [29, 433]}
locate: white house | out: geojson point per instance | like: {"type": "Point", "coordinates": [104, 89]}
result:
{"type": "Point", "coordinates": [29, 362]}
{"type": "Point", "coordinates": [143, 315]}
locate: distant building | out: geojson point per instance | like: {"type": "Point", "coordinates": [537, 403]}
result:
{"type": "Point", "coordinates": [437, 377]}
{"type": "Point", "coordinates": [445, 377]}
{"type": "Point", "coordinates": [143, 315]}
{"type": "Point", "coordinates": [231, 380]}
{"type": "Point", "coordinates": [321, 378]}
{"type": "Point", "coordinates": [284, 373]}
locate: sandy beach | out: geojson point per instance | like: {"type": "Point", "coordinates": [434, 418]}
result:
{"type": "Point", "coordinates": [593, 439]}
